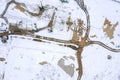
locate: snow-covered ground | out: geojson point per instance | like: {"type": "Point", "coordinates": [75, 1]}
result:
{"type": "Point", "coordinates": [26, 59]}
{"type": "Point", "coordinates": [29, 60]}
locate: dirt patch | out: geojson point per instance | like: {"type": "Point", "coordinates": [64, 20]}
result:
{"type": "Point", "coordinates": [69, 23]}
{"type": "Point", "coordinates": [81, 27]}
{"type": "Point", "coordinates": [75, 37]}
{"type": "Point", "coordinates": [109, 28]}
{"type": "Point", "coordinates": [4, 33]}
{"type": "Point", "coordinates": [93, 36]}
{"type": "Point", "coordinates": [2, 59]}
{"type": "Point", "coordinates": [43, 63]}
{"type": "Point", "coordinates": [20, 8]}
{"type": "Point", "coordinates": [14, 29]}
{"type": "Point", "coordinates": [51, 23]}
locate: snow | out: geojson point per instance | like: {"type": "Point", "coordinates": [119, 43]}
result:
{"type": "Point", "coordinates": [23, 61]}
{"type": "Point", "coordinates": [23, 55]}
{"type": "Point", "coordinates": [97, 66]}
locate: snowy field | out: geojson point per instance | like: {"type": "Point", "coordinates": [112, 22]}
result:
{"type": "Point", "coordinates": [22, 58]}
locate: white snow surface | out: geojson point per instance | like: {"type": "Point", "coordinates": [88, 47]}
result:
{"type": "Point", "coordinates": [23, 55]}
